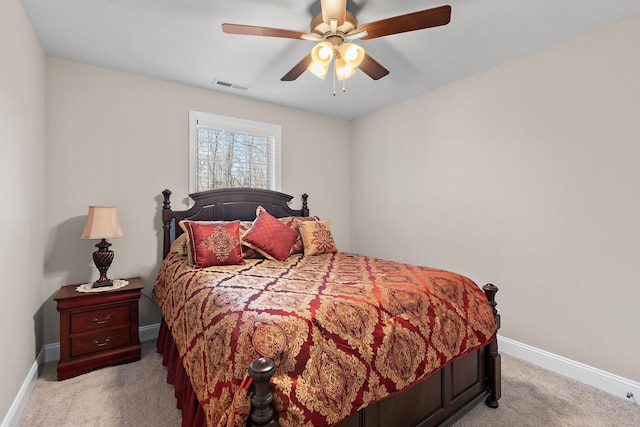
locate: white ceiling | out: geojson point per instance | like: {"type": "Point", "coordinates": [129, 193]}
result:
{"type": "Point", "coordinates": [182, 41]}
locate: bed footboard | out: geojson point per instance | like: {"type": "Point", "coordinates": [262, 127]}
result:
{"type": "Point", "coordinates": [488, 374]}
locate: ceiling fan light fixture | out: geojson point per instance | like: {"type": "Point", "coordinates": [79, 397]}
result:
{"type": "Point", "coordinates": [352, 54]}
{"type": "Point", "coordinates": [322, 53]}
{"type": "Point", "coordinates": [343, 70]}
{"type": "Point", "coordinates": [318, 70]}
{"type": "Point", "coordinates": [333, 30]}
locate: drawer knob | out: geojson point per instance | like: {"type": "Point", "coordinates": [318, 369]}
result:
{"type": "Point", "coordinates": [102, 322]}
{"type": "Point", "coordinates": [97, 344]}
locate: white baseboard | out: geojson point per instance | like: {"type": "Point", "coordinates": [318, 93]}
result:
{"type": "Point", "coordinates": [149, 332]}
{"type": "Point", "coordinates": [13, 415]}
{"type": "Point", "coordinates": [51, 353]}
{"type": "Point", "coordinates": [605, 381]}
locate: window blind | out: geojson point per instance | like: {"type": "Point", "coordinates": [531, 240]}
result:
{"type": "Point", "coordinates": [234, 153]}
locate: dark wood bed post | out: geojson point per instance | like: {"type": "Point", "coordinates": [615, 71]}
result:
{"type": "Point", "coordinates": [492, 359]}
{"type": "Point", "coordinates": [166, 223]}
{"type": "Point", "coordinates": [305, 207]}
{"type": "Point", "coordinates": [262, 414]}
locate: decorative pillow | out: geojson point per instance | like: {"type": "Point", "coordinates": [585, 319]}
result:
{"type": "Point", "coordinates": [179, 246]}
{"type": "Point", "coordinates": [316, 237]}
{"type": "Point", "coordinates": [298, 247]}
{"type": "Point", "coordinates": [270, 237]}
{"type": "Point", "coordinates": [213, 242]}
{"type": "Point", "coordinates": [291, 222]}
{"type": "Point", "coordinates": [186, 234]}
{"type": "Point", "coordinates": [247, 252]}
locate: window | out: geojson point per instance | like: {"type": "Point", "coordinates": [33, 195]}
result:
{"type": "Point", "coordinates": [227, 152]}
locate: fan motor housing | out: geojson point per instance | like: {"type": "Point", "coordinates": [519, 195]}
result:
{"type": "Point", "coordinates": [318, 26]}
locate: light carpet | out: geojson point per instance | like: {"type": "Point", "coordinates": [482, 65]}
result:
{"type": "Point", "coordinates": [136, 394]}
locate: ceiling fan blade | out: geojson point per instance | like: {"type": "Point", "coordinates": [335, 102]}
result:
{"type": "Point", "coordinates": [333, 9]}
{"type": "Point", "coordinates": [372, 68]}
{"type": "Point", "coordinates": [409, 22]}
{"type": "Point", "coordinates": [297, 69]}
{"type": "Point", "coordinates": [312, 37]}
{"type": "Point", "coordinates": [354, 35]}
{"type": "Point", "coordinates": [250, 30]}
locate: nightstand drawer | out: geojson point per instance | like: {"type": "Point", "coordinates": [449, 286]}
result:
{"type": "Point", "coordinates": [100, 341]}
{"type": "Point", "coordinates": [99, 319]}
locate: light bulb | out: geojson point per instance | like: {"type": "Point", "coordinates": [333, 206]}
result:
{"type": "Point", "coordinates": [352, 54]}
{"type": "Point", "coordinates": [325, 52]}
{"type": "Point", "coordinates": [318, 70]}
{"type": "Point", "coordinates": [322, 53]}
{"type": "Point", "coordinates": [343, 70]}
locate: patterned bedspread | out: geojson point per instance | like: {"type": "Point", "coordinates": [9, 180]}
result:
{"type": "Point", "coordinates": [343, 330]}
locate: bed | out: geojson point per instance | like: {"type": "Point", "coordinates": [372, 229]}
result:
{"type": "Point", "coordinates": [314, 336]}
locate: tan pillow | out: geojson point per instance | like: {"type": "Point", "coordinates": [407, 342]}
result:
{"type": "Point", "coordinates": [293, 222]}
{"type": "Point", "coordinates": [189, 255]}
{"type": "Point", "coordinates": [179, 246]}
{"type": "Point", "coordinates": [316, 237]}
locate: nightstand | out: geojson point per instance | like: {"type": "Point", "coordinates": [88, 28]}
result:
{"type": "Point", "coordinates": [98, 328]}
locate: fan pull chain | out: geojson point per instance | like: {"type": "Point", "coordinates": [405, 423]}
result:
{"type": "Point", "coordinates": [334, 77]}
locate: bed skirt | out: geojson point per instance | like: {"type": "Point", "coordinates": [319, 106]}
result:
{"type": "Point", "coordinates": [187, 401]}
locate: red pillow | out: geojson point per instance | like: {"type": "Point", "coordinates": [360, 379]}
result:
{"type": "Point", "coordinates": [270, 237]}
{"type": "Point", "coordinates": [213, 242]}
{"type": "Point", "coordinates": [291, 222]}
{"type": "Point", "coordinates": [247, 252]}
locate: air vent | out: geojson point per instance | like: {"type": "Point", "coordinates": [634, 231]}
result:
{"type": "Point", "coordinates": [230, 85]}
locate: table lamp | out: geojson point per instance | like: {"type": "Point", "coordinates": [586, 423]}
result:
{"type": "Point", "coordinates": [102, 223]}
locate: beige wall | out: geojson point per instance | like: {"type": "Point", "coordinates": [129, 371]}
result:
{"type": "Point", "coordinates": [22, 137]}
{"type": "Point", "coordinates": [526, 176]}
{"type": "Point", "coordinates": [117, 138]}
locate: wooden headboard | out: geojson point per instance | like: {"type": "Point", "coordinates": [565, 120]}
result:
{"type": "Point", "coordinates": [226, 204]}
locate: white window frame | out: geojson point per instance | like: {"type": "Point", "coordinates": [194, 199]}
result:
{"type": "Point", "coordinates": [231, 124]}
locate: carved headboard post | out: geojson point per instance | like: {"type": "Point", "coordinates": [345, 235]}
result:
{"type": "Point", "coordinates": [166, 222]}
{"type": "Point", "coordinates": [305, 207]}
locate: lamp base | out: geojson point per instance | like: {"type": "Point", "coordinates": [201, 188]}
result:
{"type": "Point", "coordinates": [102, 258]}
{"type": "Point", "coordinates": [102, 283]}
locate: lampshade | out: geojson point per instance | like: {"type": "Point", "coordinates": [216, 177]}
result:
{"type": "Point", "coordinates": [318, 70]}
{"type": "Point", "coordinates": [343, 71]}
{"type": "Point", "coordinates": [352, 54]}
{"type": "Point", "coordinates": [322, 53]}
{"type": "Point", "coordinates": [102, 223]}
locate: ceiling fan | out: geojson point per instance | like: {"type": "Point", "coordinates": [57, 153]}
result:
{"type": "Point", "coordinates": [333, 30]}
